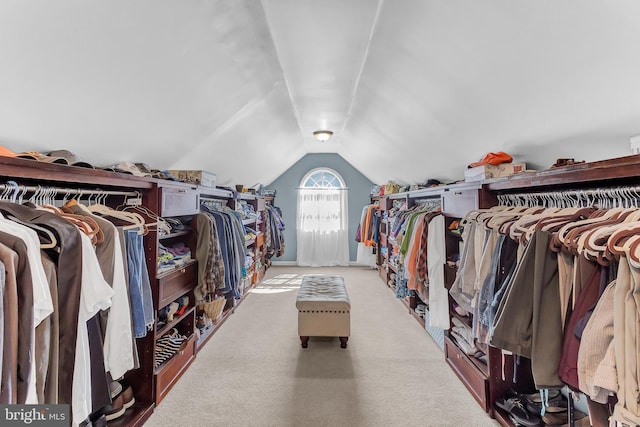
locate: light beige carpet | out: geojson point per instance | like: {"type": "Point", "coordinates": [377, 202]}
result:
{"type": "Point", "coordinates": [253, 371]}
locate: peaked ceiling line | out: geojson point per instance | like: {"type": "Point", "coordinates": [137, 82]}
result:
{"type": "Point", "coordinates": [365, 55]}
{"type": "Point", "coordinates": [284, 73]}
{"type": "Point", "coordinates": [231, 121]}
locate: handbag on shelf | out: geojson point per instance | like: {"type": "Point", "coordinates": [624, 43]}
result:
{"type": "Point", "coordinates": [213, 308]}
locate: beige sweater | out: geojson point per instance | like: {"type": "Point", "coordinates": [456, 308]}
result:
{"type": "Point", "coordinates": [597, 376]}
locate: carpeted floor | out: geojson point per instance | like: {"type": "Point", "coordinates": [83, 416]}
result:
{"type": "Point", "coordinates": [253, 371]}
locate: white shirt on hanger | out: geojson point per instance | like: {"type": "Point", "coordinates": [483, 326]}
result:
{"type": "Point", "coordinates": [118, 352]}
{"type": "Point", "coordinates": [42, 303]}
{"type": "Point", "coordinates": [436, 259]}
{"type": "Point", "coordinates": [95, 295]}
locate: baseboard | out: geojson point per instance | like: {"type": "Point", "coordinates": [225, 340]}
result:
{"type": "Point", "coordinates": [294, 263]}
{"type": "Point", "coordinates": [284, 263]}
{"type": "Point", "coordinates": [359, 264]}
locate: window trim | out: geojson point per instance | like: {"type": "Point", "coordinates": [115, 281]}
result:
{"type": "Point", "coordinates": [312, 172]}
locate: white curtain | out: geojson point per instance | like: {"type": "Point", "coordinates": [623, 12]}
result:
{"type": "Point", "coordinates": [322, 227]}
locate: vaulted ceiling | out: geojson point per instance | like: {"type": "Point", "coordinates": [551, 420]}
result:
{"type": "Point", "coordinates": [412, 89]}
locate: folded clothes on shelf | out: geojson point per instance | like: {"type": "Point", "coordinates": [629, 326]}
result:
{"type": "Point", "coordinates": [167, 346]}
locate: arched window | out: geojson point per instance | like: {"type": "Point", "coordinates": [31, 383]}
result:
{"type": "Point", "coordinates": [322, 178]}
{"type": "Point", "coordinates": [322, 219]}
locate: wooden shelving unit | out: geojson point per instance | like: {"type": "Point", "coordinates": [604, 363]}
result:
{"type": "Point", "coordinates": [33, 173]}
{"type": "Point", "coordinates": [167, 199]}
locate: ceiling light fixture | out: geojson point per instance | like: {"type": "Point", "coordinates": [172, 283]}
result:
{"type": "Point", "coordinates": [323, 135]}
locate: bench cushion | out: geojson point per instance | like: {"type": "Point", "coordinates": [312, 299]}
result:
{"type": "Point", "coordinates": [321, 292]}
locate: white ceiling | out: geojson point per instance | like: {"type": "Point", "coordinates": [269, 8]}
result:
{"type": "Point", "coordinates": [412, 89]}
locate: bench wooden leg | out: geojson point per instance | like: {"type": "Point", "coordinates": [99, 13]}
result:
{"type": "Point", "coordinates": [343, 342]}
{"type": "Point", "coordinates": [304, 341]}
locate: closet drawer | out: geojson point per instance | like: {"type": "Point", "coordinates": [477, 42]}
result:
{"type": "Point", "coordinates": [174, 368]}
{"type": "Point", "coordinates": [475, 380]}
{"type": "Point", "coordinates": [177, 283]}
{"type": "Point", "coordinates": [458, 203]}
{"type": "Point", "coordinates": [179, 201]}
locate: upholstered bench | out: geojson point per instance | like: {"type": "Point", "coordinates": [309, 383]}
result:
{"type": "Point", "coordinates": [323, 308]}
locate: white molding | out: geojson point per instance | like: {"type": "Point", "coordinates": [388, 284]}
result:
{"type": "Point", "coordinates": [295, 264]}
{"type": "Point", "coordinates": [284, 263]}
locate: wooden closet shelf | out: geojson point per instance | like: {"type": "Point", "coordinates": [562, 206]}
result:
{"type": "Point", "coordinates": [135, 416]}
{"type": "Point", "coordinates": [32, 170]}
{"type": "Point", "coordinates": [174, 235]}
{"type": "Point", "coordinates": [619, 168]}
{"type": "Point", "coordinates": [169, 325]}
{"type": "Point", "coordinates": [502, 417]}
{"type": "Point", "coordinates": [177, 268]}
{"type": "Point", "coordinates": [177, 360]}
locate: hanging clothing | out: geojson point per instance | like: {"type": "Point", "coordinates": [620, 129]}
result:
{"type": "Point", "coordinates": [528, 321]}
{"type": "Point", "coordinates": [47, 345]}
{"type": "Point", "coordinates": [10, 318]}
{"type": "Point", "coordinates": [211, 270]}
{"type": "Point", "coordinates": [364, 255]}
{"type": "Point", "coordinates": [588, 296]}
{"type": "Point", "coordinates": [95, 296]}
{"type": "Point", "coordinates": [230, 234]}
{"type": "Point", "coordinates": [142, 313]}
{"type": "Point", "coordinates": [436, 257]}
{"type": "Point", "coordinates": [409, 237]}
{"type": "Point", "coordinates": [463, 290]}
{"type": "Point", "coordinates": [626, 336]}
{"type": "Point", "coordinates": [69, 284]}
{"type": "Point", "coordinates": [597, 376]}
{"type": "Point", "coordinates": [273, 233]}
{"type": "Point", "coordinates": [115, 322]}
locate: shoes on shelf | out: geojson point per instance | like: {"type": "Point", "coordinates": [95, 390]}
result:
{"type": "Point", "coordinates": [183, 304]}
{"type": "Point", "coordinates": [561, 419]}
{"type": "Point", "coordinates": [116, 409]}
{"type": "Point", "coordinates": [556, 404]}
{"type": "Point", "coordinates": [173, 308]}
{"type": "Point", "coordinates": [203, 322]}
{"type": "Point", "coordinates": [128, 399]}
{"type": "Point", "coordinates": [115, 388]}
{"type": "Point", "coordinates": [513, 404]}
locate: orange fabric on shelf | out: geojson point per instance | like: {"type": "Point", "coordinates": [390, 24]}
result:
{"type": "Point", "coordinates": [4, 151]}
{"type": "Point", "coordinates": [493, 159]}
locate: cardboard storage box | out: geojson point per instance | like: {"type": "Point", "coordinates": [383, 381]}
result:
{"type": "Point", "coordinates": [198, 177]}
{"type": "Point", "coordinates": [489, 171]}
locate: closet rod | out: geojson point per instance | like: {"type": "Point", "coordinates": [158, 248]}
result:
{"type": "Point", "coordinates": [622, 195]}
{"type": "Point", "coordinates": [70, 191]}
